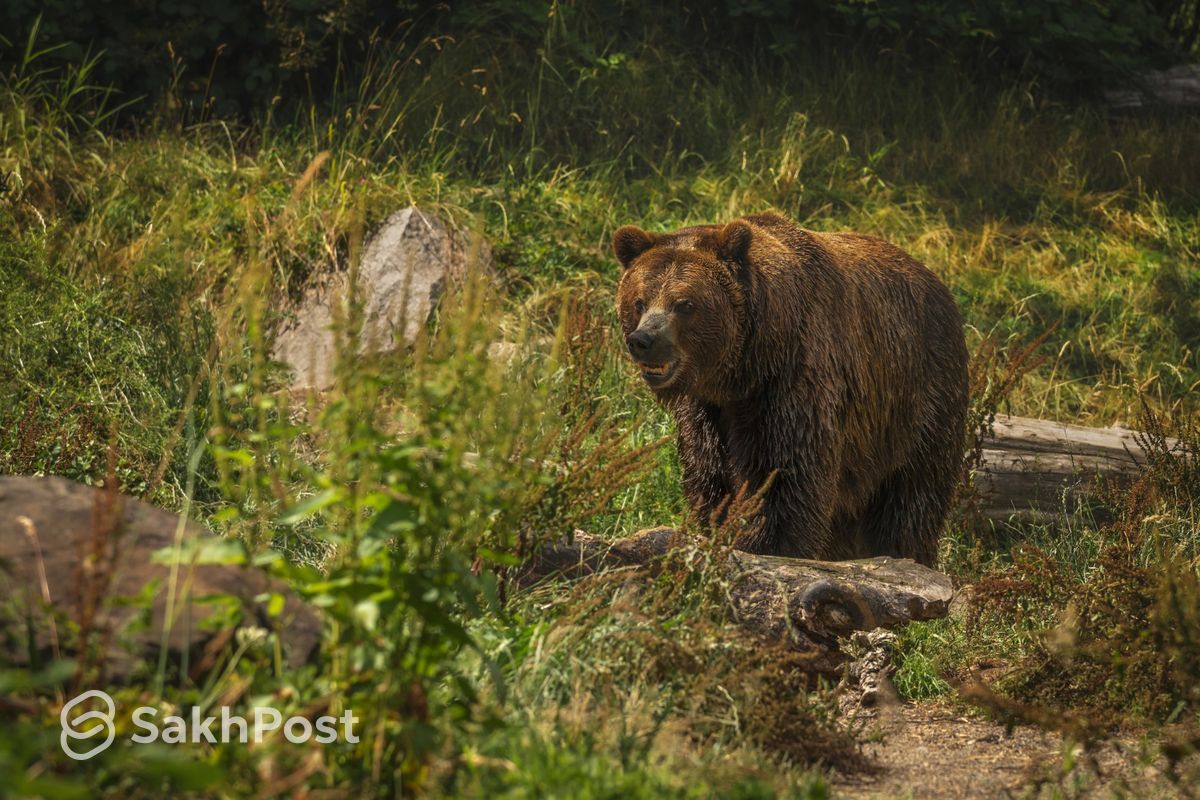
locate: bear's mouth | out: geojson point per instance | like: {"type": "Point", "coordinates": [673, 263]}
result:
{"type": "Point", "coordinates": [658, 374]}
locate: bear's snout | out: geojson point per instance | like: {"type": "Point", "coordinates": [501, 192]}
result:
{"type": "Point", "coordinates": [651, 342]}
{"type": "Point", "coordinates": [640, 343]}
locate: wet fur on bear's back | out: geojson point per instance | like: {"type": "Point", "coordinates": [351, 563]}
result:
{"type": "Point", "coordinates": [839, 366]}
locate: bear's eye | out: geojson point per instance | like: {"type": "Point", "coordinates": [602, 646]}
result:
{"type": "Point", "coordinates": [639, 307]}
{"type": "Point", "coordinates": [684, 307]}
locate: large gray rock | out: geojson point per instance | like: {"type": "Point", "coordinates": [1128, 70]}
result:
{"type": "Point", "coordinates": [72, 557]}
{"type": "Point", "coordinates": [406, 266]}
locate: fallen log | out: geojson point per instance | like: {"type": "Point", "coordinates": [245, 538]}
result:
{"type": "Point", "coordinates": [807, 603]}
{"type": "Point", "coordinates": [1035, 469]}
{"type": "Point", "coordinates": [1177, 87]}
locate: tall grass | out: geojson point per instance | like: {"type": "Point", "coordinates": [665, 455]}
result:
{"type": "Point", "coordinates": [1038, 215]}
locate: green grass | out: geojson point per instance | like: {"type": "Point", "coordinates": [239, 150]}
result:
{"type": "Point", "coordinates": [921, 648]}
{"type": "Point", "coordinates": [141, 274]}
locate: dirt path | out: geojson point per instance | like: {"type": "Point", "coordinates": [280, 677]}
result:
{"type": "Point", "coordinates": [932, 750]}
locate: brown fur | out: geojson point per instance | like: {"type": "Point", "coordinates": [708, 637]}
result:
{"type": "Point", "coordinates": [834, 361]}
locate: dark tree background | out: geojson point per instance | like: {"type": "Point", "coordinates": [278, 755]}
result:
{"type": "Point", "coordinates": [231, 57]}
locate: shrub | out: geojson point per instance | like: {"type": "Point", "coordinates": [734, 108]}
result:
{"type": "Point", "coordinates": [1123, 640]}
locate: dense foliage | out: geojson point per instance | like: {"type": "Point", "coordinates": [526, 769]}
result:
{"type": "Point", "coordinates": [222, 57]}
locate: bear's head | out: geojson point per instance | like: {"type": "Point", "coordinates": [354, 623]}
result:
{"type": "Point", "coordinates": [682, 305]}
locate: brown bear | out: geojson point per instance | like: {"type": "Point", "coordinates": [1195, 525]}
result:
{"type": "Point", "coordinates": [834, 362]}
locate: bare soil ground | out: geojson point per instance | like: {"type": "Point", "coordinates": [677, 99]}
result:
{"type": "Point", "coordinates": [935, 750]}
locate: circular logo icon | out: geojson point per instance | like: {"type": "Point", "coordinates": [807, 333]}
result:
{"type": "Point", "coordinates": [72, 727]}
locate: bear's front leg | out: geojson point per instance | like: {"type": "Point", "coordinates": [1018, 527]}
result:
{"type": "Point", "coordinates": [794, 452]}
{"type": "Point", "coordinates": [796, 519]}
{"type": "Point", "coordinates": [705, 476]}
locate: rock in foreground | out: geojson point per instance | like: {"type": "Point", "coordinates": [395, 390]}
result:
{"type": "Point", "coordinates": [71, 555]}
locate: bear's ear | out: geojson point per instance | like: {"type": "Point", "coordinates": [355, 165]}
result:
{"type": "Point", "coordinates": [629, 242]}
{"type": "Point", "coordinates": [734, 241]}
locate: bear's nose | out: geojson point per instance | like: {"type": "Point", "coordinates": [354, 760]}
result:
{"type": "Point", "coordinates": [639, 343]}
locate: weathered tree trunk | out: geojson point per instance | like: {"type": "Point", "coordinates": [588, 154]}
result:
{"type": "Point", "coordinates": [1033, 469]}
{"type": "Point", "coordinates": [806, 603]}
{"type": "Point", "coordinates": [1177, 87]}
